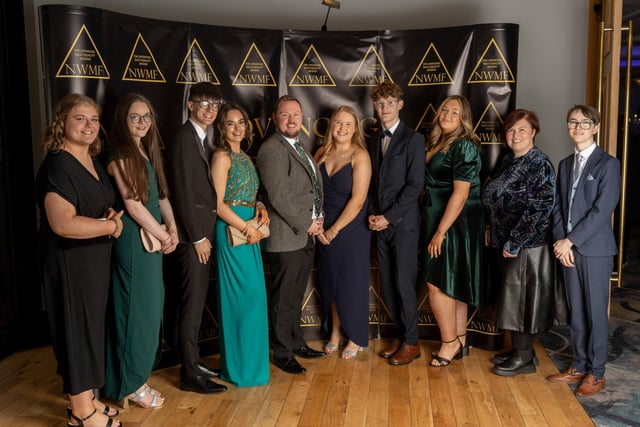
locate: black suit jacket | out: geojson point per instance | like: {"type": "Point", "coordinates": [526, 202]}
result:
{"type": "Point", "coordinates": [398, 178]}
{"type": "Point", "coordinates": [193, 196]}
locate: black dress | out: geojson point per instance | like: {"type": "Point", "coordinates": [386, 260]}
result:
{"type": "Point", "coordinates": [343, 266]}
{"type": "Point", "coordinates": [74, 273]}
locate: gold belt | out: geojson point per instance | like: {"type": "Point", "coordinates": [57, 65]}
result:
{"type": "Point", "coordinates": [240, 203]}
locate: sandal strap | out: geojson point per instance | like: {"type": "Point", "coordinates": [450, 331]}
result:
{"type": "Point", "coordinates": [139, 396]}
{"type": "Point", "coordinates": [442, 361]}
{"type": "Point", "coordinates": [82, 420]}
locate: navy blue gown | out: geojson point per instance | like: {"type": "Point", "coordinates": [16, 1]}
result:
{"type": "Point", "coordinates": [343, 266]}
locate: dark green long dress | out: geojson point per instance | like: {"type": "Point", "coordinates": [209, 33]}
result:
{"type": "Point", "coordinates": [133, 344]}
{"type": "Point", "coordinates": [457, 271]}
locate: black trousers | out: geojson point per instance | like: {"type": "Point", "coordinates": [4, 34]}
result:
{"type": "Point", "coordinates": [290, 273]}
{"type": "Point", "coordinates": [188, 287]}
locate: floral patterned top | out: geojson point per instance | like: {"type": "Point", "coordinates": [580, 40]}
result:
{"type": "Point", "coordinates": [520, 201]}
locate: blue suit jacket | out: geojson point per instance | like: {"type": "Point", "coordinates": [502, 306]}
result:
{"type": "Point", "coordinates": [595, 199]}
{"type": "Point", "coordinates": [398, 178]}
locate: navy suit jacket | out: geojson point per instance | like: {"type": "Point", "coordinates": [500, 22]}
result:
{"type": "Point", "coordinates": [595, 199]}
{"type": "Point", "coordinates": [398, 178]}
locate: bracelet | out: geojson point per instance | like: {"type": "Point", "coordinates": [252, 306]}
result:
{"type": "Point", "coordinates": [117, 227]}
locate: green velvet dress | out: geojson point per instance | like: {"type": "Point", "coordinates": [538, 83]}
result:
{"type": "Point", "coordinates": [134, 331]}
{"type": "Point", "coordinates": [458, 269]}
{"type": "Point", "coordinates": [242, 295]}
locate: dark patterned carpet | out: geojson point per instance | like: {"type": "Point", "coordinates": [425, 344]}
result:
{"type": "Point", "coordinates": [619, 403]}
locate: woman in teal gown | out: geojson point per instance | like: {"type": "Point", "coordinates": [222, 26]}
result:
{"type": "Point", "coordinates": [242, 296]}
{"type": "Point", "coordinates": [453, 225]}
{"type": "Point", "coordinates": [133, 344]}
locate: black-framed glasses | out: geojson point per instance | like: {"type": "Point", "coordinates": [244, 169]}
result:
{"type": "Point", "coordinates": [208, 105]}
{"type": "Point", "coordinates": [584, 124]}
{"type": "Point", "coordinates": [136, 118]}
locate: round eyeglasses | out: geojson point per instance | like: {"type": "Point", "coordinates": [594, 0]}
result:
{"type": "Point", "coordinates": [137, 118]}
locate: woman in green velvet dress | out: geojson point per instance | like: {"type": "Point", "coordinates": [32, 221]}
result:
{"type": "Point", "coordinates": [453, 224]}
{"type": "Point", "coordinates": [133, 344]}
{"type": "Point", "coordinates": [242, 296]}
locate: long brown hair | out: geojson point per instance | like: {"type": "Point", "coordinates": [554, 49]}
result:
{"type": "Point", "coordinates": [329, 144]}
{"type": "Point", "coordinates": [124, 147]}
{"type": "Point", "coordinates": [221, 118]}
{"type": "Point", "coordinates": [54, 135]}
{"type": "Point", "coordinates": [464, 131]}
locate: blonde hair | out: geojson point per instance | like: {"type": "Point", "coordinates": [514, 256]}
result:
{"type": "Point", "coordinates": [54, 135]}
{"type": "Point", "coordinates": [329, 144]}
{"type": "Point", "coordinates": [464, 131]}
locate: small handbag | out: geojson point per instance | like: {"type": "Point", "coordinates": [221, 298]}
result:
{"type": "Point", "coordinates": [149, 242]}
{"type": "Point", "coordinates": [236, 237]}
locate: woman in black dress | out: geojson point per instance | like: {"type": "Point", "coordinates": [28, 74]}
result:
{"type": "Point", "coordinates": [77, 223]}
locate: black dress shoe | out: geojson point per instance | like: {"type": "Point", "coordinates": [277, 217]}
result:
{"type": "Point", "coordinates": [289, 365]}
{"type": "Point", "coordinates": [308, 353]}
{"type": "Point", "coordinates": [500, 358]}
{"type": "Point", "coordinates": [201, 384]}
{"type": "Point", "coordinates": [514, 366]}
{"type": "Point", "coordinates": [207, 371]}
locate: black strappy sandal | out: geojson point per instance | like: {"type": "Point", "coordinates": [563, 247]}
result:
{"type": "Point", "coordinates": [443, 361]}
{"type": "Point", "coordinates": [106, 411]}
{"type": "Point", "coordinates": [82, 420]}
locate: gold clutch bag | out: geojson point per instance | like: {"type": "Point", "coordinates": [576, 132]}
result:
{"type": "Point", "coordinates": [236, 237]}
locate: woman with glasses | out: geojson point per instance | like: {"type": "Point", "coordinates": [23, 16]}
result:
{"type": "Point", "coordinates": [133, 346]}
{"type": "Point", "coordinates": [519, 199]}
{"type": "Point", "coordinates": [242, 296]}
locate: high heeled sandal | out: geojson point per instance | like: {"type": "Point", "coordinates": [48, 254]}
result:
{"type": "Point", "coordinates": [330, 348]}
{"type": "Point", "coordinates": [443, 361]}
{"type": "Point", "coordinates": [82, 420]}
{"type": "Point", "coordinates": [106, 411]}
{"type": "Point", "coordinates": [137, 398]}
{"type": "Point", "coordinates": [350, 354]}
{"type": "Point", "coordinates": [463, 353]}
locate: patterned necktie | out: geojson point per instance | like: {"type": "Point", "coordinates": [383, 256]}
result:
{"type": "Point", "coordinates": [578, 164]}
{"type": "Point", "coordinates": [314, 178]}
{"type": "Point", "coordinates": [385, 138]}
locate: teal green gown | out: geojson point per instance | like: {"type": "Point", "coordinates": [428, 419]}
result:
{"type": "Point", "coordinates": [242, 296]}
{"type": "Point", "coordinates": [134, 331]}
{"type": "Point", "coordinates": [458, 270]}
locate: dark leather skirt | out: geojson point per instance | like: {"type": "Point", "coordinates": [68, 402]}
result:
{"type": "Point", "coordinates": [529, 294]}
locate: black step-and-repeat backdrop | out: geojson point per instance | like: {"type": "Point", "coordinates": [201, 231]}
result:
{"type": "Point", "coordinates": [106, 55]}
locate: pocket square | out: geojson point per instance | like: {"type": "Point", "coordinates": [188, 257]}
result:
{"type": "Point", "coordinates": [589, 177]}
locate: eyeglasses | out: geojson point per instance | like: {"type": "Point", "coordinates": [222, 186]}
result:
{"type": "Point", "coordinates": [390, 103]}
{"type": "Point", "coordinates": [137, 118]}
{"type": "Point", "coordinates": [208, 105]}
{"type": "Point", "coordinates": [585, 124]}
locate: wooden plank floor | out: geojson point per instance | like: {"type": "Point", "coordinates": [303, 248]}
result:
{"type": "Point", "coordinates": [366, 391]}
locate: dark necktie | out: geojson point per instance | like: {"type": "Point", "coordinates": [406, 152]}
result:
{"type": "Point", "coordinates": [385, 139]}
{"type": "Point", "coordinates": [314, 178]}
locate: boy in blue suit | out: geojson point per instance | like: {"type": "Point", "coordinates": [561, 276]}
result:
{"type": "Point", "coordinates": [588, 190]}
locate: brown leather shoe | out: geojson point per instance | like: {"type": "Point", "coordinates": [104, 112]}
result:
{"type": "Point", "coordinates": [570, 376]}
{"type": "Point", "coordinates": [391, 350]}
{"type": "Point", "coordinates": [590, 386]}
{"type": "Point", "coordinates": [405, 355]}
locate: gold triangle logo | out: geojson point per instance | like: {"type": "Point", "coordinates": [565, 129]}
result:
{"type": "Point", "coordinates": [83, 59]}
{"type": "Point", "coordinates": [312, 72]}
{"type": "Point", "coordinates": [424, 124]}
{"type": "Point", "coordinates": [492, 67]}
{"type": "Point", "coordinates": [196, 68]}
{"type": "Point", "coordinates": [489, 125]}
{"type": "Point", "coordinates": [431, 70]}
{"type": "Point", "coordinates": [371, 70]}
{"type": "Point", "coordinates": [142, 66]}
{"type": "Point", "coordinates": [254, 70]}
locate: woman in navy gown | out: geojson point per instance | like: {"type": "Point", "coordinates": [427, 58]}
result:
{"type": "Point", "coordinates": [343, 252]}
